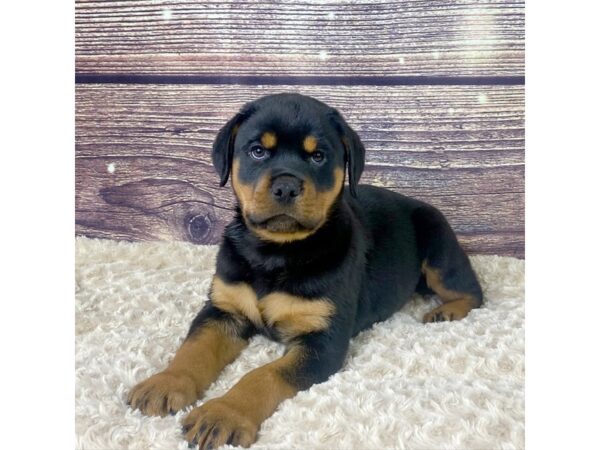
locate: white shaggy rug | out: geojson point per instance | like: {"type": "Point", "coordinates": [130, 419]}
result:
{"type": "Point", "coordinates": [457, 385]}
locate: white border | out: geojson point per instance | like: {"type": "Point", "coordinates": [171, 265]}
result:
{"type": "Point", "coordinates": [37, 188]}
{"type": "Point", "coordinates": [562, 225]}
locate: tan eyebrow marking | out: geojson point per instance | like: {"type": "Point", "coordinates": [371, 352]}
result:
{"type": "Point", "coordinates": [268, 140]}
{"type": "Point", "coordinates": [310, 144]}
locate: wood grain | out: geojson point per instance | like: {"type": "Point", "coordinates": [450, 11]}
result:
{"type": "Point", "coordinates": [143, 166]}
{"type": "Point", "coordinates": [300, 37]}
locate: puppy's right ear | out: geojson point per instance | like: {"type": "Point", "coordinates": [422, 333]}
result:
{"type": "Point", "coordinates": [222, 151]}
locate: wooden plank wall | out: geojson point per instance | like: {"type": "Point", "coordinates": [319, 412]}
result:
{"type": "Point", "coordinates": [435, 89]}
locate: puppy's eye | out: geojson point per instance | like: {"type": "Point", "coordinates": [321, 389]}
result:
{"type": "Point", "coordinates": [257, 152]}
{"type": "Point", "coordinates": [318, 157]}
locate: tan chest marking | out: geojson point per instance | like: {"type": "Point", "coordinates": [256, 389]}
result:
{"type": "Point", "coordinates": [236, 298]}
{"type": "Point", "coordinates": [291, 315]}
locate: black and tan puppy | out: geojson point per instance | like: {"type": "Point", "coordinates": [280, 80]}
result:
{"type": "Point", "coordinates": [305, 262]}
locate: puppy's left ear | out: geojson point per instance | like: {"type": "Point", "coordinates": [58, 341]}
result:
{"type": "Point", "coordinates": [222, 151]}
{"type": "Point", "coordinates": [354, 150]}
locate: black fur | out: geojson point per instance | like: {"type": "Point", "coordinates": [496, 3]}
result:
{"type": "Point", "coordinates": [366, 259]}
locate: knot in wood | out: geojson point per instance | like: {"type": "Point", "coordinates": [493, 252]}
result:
{"type": "Point", "coordinates": [199, 228]}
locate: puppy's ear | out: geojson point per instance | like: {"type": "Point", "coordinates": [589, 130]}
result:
{"type": "Point", "coordinates": [354, 150]}
{"type": "Point", "coordinates": [222, 151]}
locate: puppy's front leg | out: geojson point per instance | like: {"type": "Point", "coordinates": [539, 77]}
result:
{"type": "Point", "coordinates": [215, 339]}
{"type": "Point", "coordinates": [235, 418]}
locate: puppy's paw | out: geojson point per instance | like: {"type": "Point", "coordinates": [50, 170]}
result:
{"type": "Point", "coordinates": [445, 313]}
{"type": "Point", "coordinates": [217, 423]}
{"type": "Point", "coordinates": [163, 393]}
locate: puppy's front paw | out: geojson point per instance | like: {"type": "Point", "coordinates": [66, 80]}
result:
{"type": "Point", "coordinates": [163, 393]}
{"type": "Point", "coordinates": [218, 423]}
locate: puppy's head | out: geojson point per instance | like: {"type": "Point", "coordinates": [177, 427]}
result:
{"type": "Point", "coordinates": [287, 155]}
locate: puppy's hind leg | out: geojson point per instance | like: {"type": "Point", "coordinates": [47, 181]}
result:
{"type": "Point", "coordinates": [457, 300]}
{"type": "Point", "coordinates": [446, 267]}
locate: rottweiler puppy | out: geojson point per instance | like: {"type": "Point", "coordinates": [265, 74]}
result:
{"type": "Point", "coordinates": [306, 262]}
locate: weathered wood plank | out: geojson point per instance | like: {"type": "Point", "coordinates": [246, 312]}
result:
{"type": "Point", "coordinates": [143, 156]}
{"type": "Point", "coordinates": [300, 37]}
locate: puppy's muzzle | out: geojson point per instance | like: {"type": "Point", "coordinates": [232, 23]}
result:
{"type": "Point", "coordinates": [286, 188]}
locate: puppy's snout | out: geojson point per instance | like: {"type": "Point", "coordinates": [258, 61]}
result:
{"type": "Point", "coordinates": [285, 188]}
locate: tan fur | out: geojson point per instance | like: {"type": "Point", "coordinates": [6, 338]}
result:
{"type": "Point", "coordinates": [456, 304]}
{"type": "Point", "coordinates": [318, 203]}
{"type": "Point", "coordinates": [245, 406]}
{"type": "Point", "coordinates": [268, 140]}
{"type": "Point", "coordinates": [290, 315]}
{"type": "Point", "coordinates": [454, 310]}
{"type": "Point", "coordinates": [237, 298]}
{"type": "Point", "coordinates": [309, 144]}
{"type": "Point", "coordinates": [312, 205]}
{"type": "Point", "coordinates": [293, 316]}
{"type": "Point", "coordinates": [252, 197]}
{"type": "Point", "coordinates": [195, 366]}
{"type": "Point", "coordinates": [282, 237]}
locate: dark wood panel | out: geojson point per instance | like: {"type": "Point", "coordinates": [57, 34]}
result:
{"type": "Point", "coordinates": [143, 157]}
{"type": "Point", "coordinates": [419, 126]}
{"type": "Point", "coordinates": [300, 37]}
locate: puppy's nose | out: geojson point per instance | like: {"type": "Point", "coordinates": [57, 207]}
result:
{"type": "Point", "coordinates": [286, 188]}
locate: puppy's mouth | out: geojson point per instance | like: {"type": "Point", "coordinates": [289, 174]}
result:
{"type": "Point", "coordinates": [281, 223]}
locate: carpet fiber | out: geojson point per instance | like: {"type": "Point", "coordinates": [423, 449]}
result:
{"type": "Point", "coordinates": [457, 385]}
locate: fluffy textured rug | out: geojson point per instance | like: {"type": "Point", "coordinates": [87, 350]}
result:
{"type": "Point", "coordinates": [451, 385]}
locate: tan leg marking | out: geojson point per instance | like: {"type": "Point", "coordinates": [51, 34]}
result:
{"type": "Point", "coordinates": [236, 417]}
{"type": "Point", "coordinates": [195, 366]}
{"type": "Point", "coordinates": [293, 316]}
{"type": "Point", "coordinates": [456, 305]}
